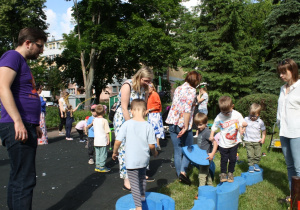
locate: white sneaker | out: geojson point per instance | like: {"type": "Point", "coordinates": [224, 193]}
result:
{"type": "Point", "coordinates": [195, 136]}
{"type": "Point", "coordinates": [91, 161]}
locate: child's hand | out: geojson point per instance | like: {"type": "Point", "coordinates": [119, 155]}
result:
{"type": "Point", "coordinates": [115, 155]}
{"type": "Point", "coordinates": [262, 141]}
{"type": "Point", "coordinates": [210, 156]}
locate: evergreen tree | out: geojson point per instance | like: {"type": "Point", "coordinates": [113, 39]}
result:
{"type": "Point", "coordinates": [282, 41]}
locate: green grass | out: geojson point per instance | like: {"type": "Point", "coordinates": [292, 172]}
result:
{"type": "Point", "coordinates": [263, 195]}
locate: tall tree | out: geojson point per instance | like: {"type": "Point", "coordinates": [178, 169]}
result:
{"type": "Point", "coordinates": [282, 41]}
{"type": "Point", "coordinates": [18, 14]}
{"type": "Point", "coordinates": [114, 37]}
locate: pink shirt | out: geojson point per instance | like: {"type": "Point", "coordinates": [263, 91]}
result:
{"type": "Point", "coordinates": [184, 97]}
{"type": "Point", "coordinates": [81, 125]}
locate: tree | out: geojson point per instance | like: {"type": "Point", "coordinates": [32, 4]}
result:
{"type": "Point", "coordinates": [18, 14]}
{"type": "Point", "coordinates": [282, 41]}
{"type": "Point", "coordinates": [113, 38]}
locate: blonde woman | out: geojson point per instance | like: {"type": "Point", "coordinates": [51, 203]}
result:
{"type": "Point", "coordinates": [134, 88]}
{"type": "Point", "coordinates": [154, 114]}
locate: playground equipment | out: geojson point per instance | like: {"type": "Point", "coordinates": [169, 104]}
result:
{"type": "Point", "coordinates": [154, 201]}
{"type": "Point", "coordinates": [274, 143]}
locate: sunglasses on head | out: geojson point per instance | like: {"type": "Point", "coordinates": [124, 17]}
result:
{"type": "Point", "coordinates": [283, 62]}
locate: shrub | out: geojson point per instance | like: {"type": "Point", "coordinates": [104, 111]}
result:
{"type": "Point", "coordinates": [269, 107]}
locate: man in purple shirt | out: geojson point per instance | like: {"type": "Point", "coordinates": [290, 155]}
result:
{"type": "Point", "coordinates": [20, 114]}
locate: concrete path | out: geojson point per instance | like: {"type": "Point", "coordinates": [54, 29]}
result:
{"type": "Point", "coordinates": [66, 181]}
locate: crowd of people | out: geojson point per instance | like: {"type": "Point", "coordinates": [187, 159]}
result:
{"type": "Point", "coordinates": [22, 125]}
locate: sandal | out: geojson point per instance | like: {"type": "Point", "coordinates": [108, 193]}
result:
{"type": "Point", "coordinates": [184, 179]}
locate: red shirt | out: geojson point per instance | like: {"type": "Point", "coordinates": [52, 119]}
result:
{"type": "Point", "coordinates": [154, 102]}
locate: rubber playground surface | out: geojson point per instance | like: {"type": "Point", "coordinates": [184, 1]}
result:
{"type": "Point", "coordinates": [65, 180]}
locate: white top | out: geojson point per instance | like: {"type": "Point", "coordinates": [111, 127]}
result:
{"type": "Point", "coordinates": [81, 125]}
{"type": "Point", "coordinates": [137, 136]}
{"type": "Point", "coordinates": [203, 104]}
{"type": "Point", "coordinates": [63, 103]}
{"type": "Point", "coordinates": [229, 126]}
{"type": "Point", "coordinates": [253, 130]}
{"type": "Point", "coordinates": [288, 112]}
{"type": "Point", "coordinates": [101, 128]}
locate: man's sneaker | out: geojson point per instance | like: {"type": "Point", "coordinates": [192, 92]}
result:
{"type": "Point", "coordinates": [91, 161]}
{"type": "Point", "coordinates": [195, 136]}
{"type": "Point", "coordinates": [256, 167]}
{"type": "Point", "coordinates": [102, 169]}
{"type": "Point", "coordinates": [251, 169]}
{"type": "Point", "coordinates": [230, 177]}
{"type": "Point", "coordinates": [69, 139]}
{"type": "Point", "coordinates": [81, 140]}
{"type": "Point", "coordinates": [61, 133]}
{"type": "Point", "coordinates": [223, 177]}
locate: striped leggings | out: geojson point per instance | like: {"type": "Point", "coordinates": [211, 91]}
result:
{"type": "Point", "coordinates": [137, 179]}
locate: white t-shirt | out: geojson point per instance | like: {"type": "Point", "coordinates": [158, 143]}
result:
{"type": "Point", "coordinates": [101, 128]}
{"type": "Point", "coordinates": [253, 130]}
{"type": "Point", "coordinates": [288, 112]}
{"type": "Point", "coordinates": [63, 103]}
{"type": "Point", "coordinates": [229, 126]}
{"type": "Point", "coordinates": [137, 136]}
{"type": "Point", "coordinates": [203, 104]}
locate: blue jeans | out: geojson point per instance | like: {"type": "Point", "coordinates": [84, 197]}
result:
{"type": "Point", "coordinates": [204, 111]}
{"type": "Point", "coordinates": [22, 162]}
{"type": "Point", "coordinates": [181, 161]}
{"type": "Point", "coordinates": [290, 150]}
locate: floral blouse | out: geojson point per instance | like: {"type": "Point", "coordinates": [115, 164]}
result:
{"type": "Point", "coordinates": [184, 97]}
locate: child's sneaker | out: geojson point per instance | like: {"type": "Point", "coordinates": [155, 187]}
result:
{"type": "Point", "coordinates": [223, 177]}
{"type": "Point", "coordinates": [230, 177]}
{"type": "Point", "coordinates": [256, 167]}
{"type": "Point", "coordinates": [103, 169]}
{"type": "Point", "coordinates": [81, 140]}
{"type": "Point", "coordinates": [251, 169]}
{"type": "Point", "coordinates": [91, 161]}
{"type": "Point", "coordinates": [60, 133]}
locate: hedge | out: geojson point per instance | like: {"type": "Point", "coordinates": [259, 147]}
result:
{"type": "Point", "coordinates": [53, 120]}
{"type": "Point", "coordinates": [269, 107]}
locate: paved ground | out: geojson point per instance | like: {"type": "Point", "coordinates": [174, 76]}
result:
{"type": "Point", "coordinates": [65, 180]}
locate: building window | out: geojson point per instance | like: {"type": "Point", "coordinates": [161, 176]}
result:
{"type": "Point", "coordinates": [58, 45]}
{"type": "Point", "coordinates": [114, 89]}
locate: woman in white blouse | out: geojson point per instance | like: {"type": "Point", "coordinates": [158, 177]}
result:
{"type": "Point", "coordinates": [288, 116]}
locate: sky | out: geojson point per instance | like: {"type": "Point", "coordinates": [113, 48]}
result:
{"type": "Point", "coordinates": [60, 20]}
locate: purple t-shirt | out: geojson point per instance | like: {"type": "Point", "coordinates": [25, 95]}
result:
{"type": "Point", "coordinates": [23, 89]}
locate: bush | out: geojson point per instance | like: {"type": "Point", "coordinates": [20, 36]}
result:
{"type": "Point", "coordinates": [269, 107]}
{"type": "Point", "coordinates": [53, 120]}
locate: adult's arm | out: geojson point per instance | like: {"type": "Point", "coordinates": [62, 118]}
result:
{"type": "Point", "coordinates": [7, 76]}
{"type": "Point", "coordinates": [61, 108]}
{"type": "Point", "coordinates": [125, 97]}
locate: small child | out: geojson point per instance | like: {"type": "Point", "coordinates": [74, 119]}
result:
{"type": "Point", "coordinates": [101, 139]}
{"type": "Point", "coordinates": [139, 138]}
{"type": "Point", "coordinates": [204, 143]}
{"type": "Point", "coordinates": [80, 127]}
{"type": "Point", "coordinates": [90, 132]}
{"type": "Point", "coordinates": [231, 123]}
{"type": "Point", "coordinates": [252, 137]}
{"type": "Point", "coordinates": [69, 120]}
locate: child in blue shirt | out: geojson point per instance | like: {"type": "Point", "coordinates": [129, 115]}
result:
{"type": "Point", "coordinates": [139, 139]}
{"type": "Point", "coordinates": [91, 134]}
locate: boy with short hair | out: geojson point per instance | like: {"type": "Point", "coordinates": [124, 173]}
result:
{"type": "Point", "coordinates": [139, 138]}
{"type": "Point", "coordinates": [231, 124]}
{"type": "Point", "coordinates": [101, 139]}
{"type": "Point", "coordinates": [253, 139]}
{"type": "Point", "coordinates": [205, 143]}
